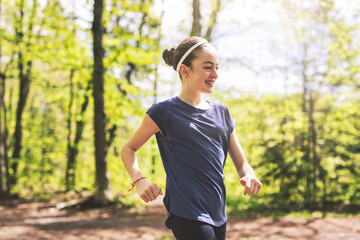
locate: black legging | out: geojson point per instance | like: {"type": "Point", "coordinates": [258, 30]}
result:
{"type": "Point", "coordinates": [185, 229]}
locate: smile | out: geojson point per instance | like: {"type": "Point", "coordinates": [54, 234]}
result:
{"type": "Point", "coordinates": [210, 83]}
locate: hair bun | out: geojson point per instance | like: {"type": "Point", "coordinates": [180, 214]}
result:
{"type": "Point", "coordinates": [168, 56]}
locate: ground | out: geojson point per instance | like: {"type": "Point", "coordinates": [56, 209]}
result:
{"type": "Point", "coordinates": [45, 220]}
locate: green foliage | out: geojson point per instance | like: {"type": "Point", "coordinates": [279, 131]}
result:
{"type": "Point", "coordinates": [269, 129]}
{"type": "Point", "coordinates": [274, 130]}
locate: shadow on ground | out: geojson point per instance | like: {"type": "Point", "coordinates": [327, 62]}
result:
{"type": "Point", "coordinates": [42, 220]}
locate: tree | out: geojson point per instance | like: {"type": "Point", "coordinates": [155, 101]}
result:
{"type": "Point", "coordinates": [101, 180]}
{"type": "Point", "coordinates": [73, 143]}
{"type": "Point", "coordinates": [196, 24]}
{"type": "Point", "coordinates": [4, 157]}
{"type": "Point", "coordinates": [133, 35]}
{"type": "Point", "coordinates": [24, 63]}
{"type": "Point", "coordinates": [305, 156]}
{"type": "Point", "coordinates": [80, 85]}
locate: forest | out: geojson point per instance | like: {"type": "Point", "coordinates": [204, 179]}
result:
{"type": "Point", "coordinates": [76, 78]}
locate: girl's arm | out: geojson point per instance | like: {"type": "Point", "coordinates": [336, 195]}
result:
{"type": "Point", "coordinates": [244, 170]}
{"type": "Point", "coordinates": [147, 190]}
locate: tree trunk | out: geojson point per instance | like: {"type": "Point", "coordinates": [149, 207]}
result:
{"type": "Point", "coordinates": [24, 68]}
{"type": "Point", "coordinates": [155, 89]}
{"type": "Point", "coordinates": [313, 144]}
{"type": "Point", "coordinates": [69, 174]}
{"type": "Point", "coordinates": [24, 78]}
{"type": "Point", "coordinates": [196, 27]}
{"type": "Point", "coordinates": [305, 148]}
{"type": "Point", "coordinates": [1, 152]}
{"type": "Point", "coordinates": [4, 133]}
{"type": "Point", "coordinates": [4, 138]}
{"type": "Point", "coordinates": [2, 78]}
{"type": "Point", "coordinates": [73, 145]}
{"type": "Point", "coordinates": [101, 180]}
{"type": "Point", "coordinates": [213, 18]}
{"type": "Point", "coordinates": [44, 148]}
{"type": "Point", "coordinates": [6, 141]}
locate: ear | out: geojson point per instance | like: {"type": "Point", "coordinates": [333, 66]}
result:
{"type": "Point", "coordinates": [183, 70]}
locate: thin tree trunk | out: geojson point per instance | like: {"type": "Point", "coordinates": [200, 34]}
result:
{"type": "Point", "coordinates": [69, 174]}
{"type": "Point", "coordinates": [313, 141]}
{"type": "Point", "coordinates": [4, 131]}
{"type": "Point", "coordinates": [2, 78]}
{"type": "Point", "coordinates": [153, 157]}
{"type": "Point", "coordinates": [213, 18]}
{"type": "Point", "coordinates": [6, 141]}
{"type": "Point", "coordinates": [73, 146]}
{"type": "Point", "coordinates": [196, 24]}
{"type": "Point", "coordinates": [196, 27]}
{"type": "Point", "coordinates": [24, 68]}
{"type": "Point", "coordinates": [1, 149]}
{"type": "Point", "coordinates": [153, 140]}
{"type": "Point", "coordinates": [44, 147]}
{"type": "Point", "coordinates": [22, 93]}
{"type": "Point", "coordinates": [101, 180]}
{"type": "Point", "coordinates": [4, 160]}
{"type": "Point", "coordinates": [304, 142]}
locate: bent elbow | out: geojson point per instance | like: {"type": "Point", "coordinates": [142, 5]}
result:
{"type": "Point", "coordinates": [125, 151]}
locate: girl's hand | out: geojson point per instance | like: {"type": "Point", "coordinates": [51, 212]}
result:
{"type": "Point", "coordinates": [251, 184]}
{"type": "Point", "coordinates": [148, 191]}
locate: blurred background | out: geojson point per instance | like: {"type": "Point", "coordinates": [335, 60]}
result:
{"type": "Point", "coordinates": [289, 74]}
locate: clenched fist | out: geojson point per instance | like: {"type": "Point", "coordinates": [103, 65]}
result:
{"type": "Point", "coordinates": [148, 191]}
{"type": "Point", "coordinates": [251, 184]}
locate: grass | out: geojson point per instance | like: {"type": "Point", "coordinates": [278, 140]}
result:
{"type": "Point", "coordinates": [255, 208]}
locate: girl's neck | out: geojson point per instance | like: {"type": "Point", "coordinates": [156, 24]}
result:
{"type": "Point", "coordinates": [195, 100]}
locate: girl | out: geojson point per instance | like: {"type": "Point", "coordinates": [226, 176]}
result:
{"type": "Point", "coordinates": [194, 137]}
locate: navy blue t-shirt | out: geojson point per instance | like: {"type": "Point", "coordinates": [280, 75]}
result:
{"type": "Point", "coordinates": [193, 145]}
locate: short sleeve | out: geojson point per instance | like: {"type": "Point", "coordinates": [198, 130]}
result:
{"type": "Point", "coordinates": [157, 113]}
{"type": "Point", "coordinates": [230, 120]}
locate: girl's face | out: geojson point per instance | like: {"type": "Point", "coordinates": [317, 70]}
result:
{"type": "Point", "coordinates": [203, 73]}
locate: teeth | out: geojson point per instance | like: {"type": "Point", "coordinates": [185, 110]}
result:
{"type": "Point", "coordinates": [209, 82]}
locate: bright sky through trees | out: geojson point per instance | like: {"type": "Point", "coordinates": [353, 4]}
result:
{"type": "Point", "coordinates": [249, 36]}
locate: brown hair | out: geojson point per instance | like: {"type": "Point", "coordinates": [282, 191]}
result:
{"type": "Point", "coordinates": [173, 55]}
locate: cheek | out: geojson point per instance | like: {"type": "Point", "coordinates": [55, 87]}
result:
{"type": "Point", "coordinates": [202, 77]}
{"type": "Point", "coordinates": [204, 74]}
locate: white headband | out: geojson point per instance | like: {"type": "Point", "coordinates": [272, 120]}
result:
{"type": "Point", "coordinates": [188, 52]}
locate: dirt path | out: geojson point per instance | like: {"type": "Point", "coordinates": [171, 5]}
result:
{"type": "Point", "coordinates": [46, 221]}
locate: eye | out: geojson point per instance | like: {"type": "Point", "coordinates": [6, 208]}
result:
{"type": "Point", "coordinates": [208, 68]}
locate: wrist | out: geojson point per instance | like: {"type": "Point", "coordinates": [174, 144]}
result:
{"type": "Point", "coordinates": [248, 176]}
{"type": "Point", "coordinates": [136, 181]}
{"type": "Point", "coordinates": [135, 174]}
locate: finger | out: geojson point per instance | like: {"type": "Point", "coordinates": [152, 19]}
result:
{"type": "Point", "coordinates": [246, 190]}
{"type": "Point", "coordinates": [248, 183]}
{"type": "Point", "coordinates": [146, 195]}
{"type": "Point", "coordinates": [243, 181]}
{"type": "Point", "coordinates": [256, 188]}
{"type": "Point", "coordinates": [144, 198]}
{"type": "Point", "coordinates": [252, 188]}
{"type": "Point", "coordinates": [259, 187]}
{"type": "Point", "coordinates": [159, 190]}
{"type": "Point", "coordinates": [156, 191]}
{"type": "Point", "coordinates": [151, 195]}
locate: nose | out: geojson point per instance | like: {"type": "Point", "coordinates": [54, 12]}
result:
{"type": "Point", "coordinates": [214, 73]}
